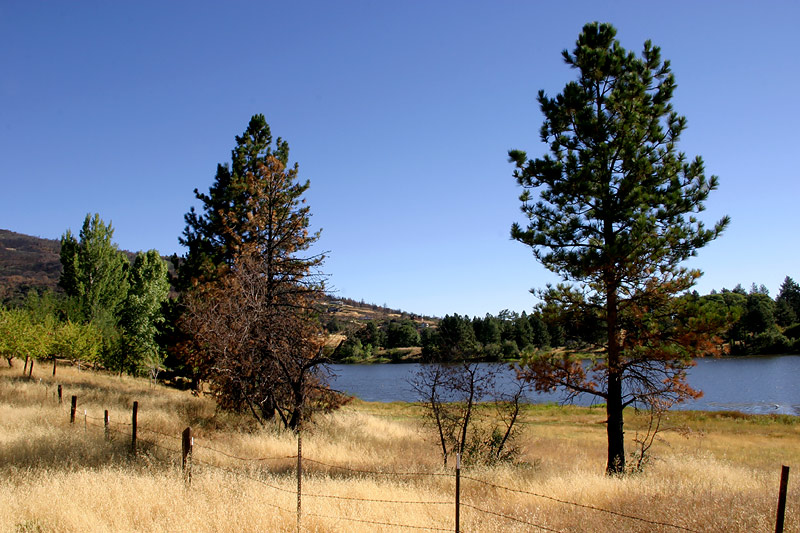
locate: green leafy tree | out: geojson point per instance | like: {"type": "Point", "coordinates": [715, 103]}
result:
{"type": "Point", "coordinates": [141, 316]}
{"type": "Point", "coordinates": [401, 334]}
{"type": "Point", "coordinates": [94, 270]}
{"type": "Point", "coordinates": [78, 342]}
{"type": "Point", "coordinates": [22, 336]}
{"type": "Point", "coordinates": [615, 218]}
{"type": "Point", "coordinates": [372, 334]}
{"type": "Point", "coordinates": [758, 317]}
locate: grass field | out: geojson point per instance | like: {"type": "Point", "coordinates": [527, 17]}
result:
{"type": "Point", "coordinates": [709, 471]}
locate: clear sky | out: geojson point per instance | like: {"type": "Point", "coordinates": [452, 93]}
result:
{"type": "Point", "coordinates": [401, 115]}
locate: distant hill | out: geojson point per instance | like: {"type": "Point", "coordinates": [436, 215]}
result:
{"type": "Point", "coordinates": [28, 262]}
{"type": "Point", "coordinates": [25, 263]}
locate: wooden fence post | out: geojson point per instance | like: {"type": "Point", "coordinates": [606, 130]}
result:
{"type": "Point", "coordinates": [186, 459]}
{"type": "Point", "coordinates": [133, 426]}
{"type": "Point", "coordinates": [299, 479]}
{"type": "Point", "coordinates": [54, 365]}
{"type": "Point", "coordinates": [30, 371]}
{"type": "Point", "coordinates": [782, 499]}
{"type": "Point", "coordinates": [59, 395]}
{"type": "Point", "coordinates": [458, 492]}
{"type": "Point", "coordinates": [72, 409]}
{"type": "Point", "coordinates": [105, 424]}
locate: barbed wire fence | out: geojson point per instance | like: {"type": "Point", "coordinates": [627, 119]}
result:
{"type": "Point", "coordinates": [187, 446]}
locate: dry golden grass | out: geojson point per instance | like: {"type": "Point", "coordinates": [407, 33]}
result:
{"type": "Point", "coordinates": [709, 472]}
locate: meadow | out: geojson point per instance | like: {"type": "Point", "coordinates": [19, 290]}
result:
{"type": "Point", "coordinates": [366, 467]}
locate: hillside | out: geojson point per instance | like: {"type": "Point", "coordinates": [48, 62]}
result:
{"type": "Point", "coordinates": [28, 262]}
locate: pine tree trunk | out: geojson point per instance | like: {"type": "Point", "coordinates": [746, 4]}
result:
{"type": "Point", "coordinates": [614, 428]}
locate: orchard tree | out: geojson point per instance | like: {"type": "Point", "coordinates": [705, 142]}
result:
{"type": "Point", "coordinates": [615, 218]}
{"type": "Point", "coordinates": [251, 302]}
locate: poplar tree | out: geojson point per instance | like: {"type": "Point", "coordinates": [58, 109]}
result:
{"type": "Point", "coordinates": [141, 316]}
{"type": "Point", "coordinates": [94, 270]}
{"type": "Point", "coordinates": [615, 218]}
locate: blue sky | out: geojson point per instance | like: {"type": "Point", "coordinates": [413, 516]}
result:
{"type": "Point", "coordinates": [401, 115]}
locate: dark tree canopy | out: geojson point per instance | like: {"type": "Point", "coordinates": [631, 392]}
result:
{"type": "Point", "coordinates": [212, 235]}
{"type": "Point", "coordinates": [615, 217]}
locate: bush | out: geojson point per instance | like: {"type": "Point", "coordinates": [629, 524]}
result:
{"type": "Point", "coordinates": [510, 349]}
{"type": "Point", "coordinates": [792, 332]}
{"type": "Point", "coordinates": [771, 341]}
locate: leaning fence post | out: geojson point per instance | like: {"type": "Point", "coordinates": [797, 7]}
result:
{"type": "Point", "coordinates": [782, 499]}
{"type": "Point", "coordinates": [72, 409]}
{"type": "Point", "coordinates": [59, 395]}
{"type": "Point", "coordinates": [133, 426]}
{"type": "Point", "coordinates": [458, 492]}
{"type": "Point", "coordinates": [299, 478]}
{"type": "Point", "coordinates": [105, 424]}
{"type": "Point", "coordinates": [186, 455]}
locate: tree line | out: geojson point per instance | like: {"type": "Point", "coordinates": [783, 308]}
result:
{"type": "Point", "coordinates": [109, 313]}
{"type": "Point", "coordinates": [751, 323]}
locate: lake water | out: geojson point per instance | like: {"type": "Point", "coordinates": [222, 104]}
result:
{"type": "Point", "coordinates": [757, 385]}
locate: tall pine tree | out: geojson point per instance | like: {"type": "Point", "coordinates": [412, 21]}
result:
{"type": "Point", "coordinates": [254, 284]}
{"type": "Point", "coordinates": [615, 218]}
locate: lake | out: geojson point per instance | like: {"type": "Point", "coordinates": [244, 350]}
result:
{"type": "Point", "coordinates": [756, 385]}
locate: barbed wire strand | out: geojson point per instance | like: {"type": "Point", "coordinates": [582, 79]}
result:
{"type": "Point", "coordinates": [350, 498]}
{"type": "Point", "coordinates": [243, 475]}
{"type": "Point", "coordinates": [245, 459]}
{"type": "Point", "coordinates": [512, 518]}
{"type": "Point", "coordinates": [431, 474]}
{"type": "Point", "coordinates": [582, 505]}
{"type": "Point", "coordinates": [375, 522]}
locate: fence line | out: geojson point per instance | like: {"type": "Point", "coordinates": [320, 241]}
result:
{"type": "Point", "coordinates": [107, 427]}
{"type": "Point", "coordinates": [582, 505]}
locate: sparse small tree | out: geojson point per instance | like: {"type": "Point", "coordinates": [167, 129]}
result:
{"type": "Point", "coordinates": [451, 394]}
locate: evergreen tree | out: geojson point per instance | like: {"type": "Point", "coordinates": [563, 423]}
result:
{"type": "Point", "coordinates": [615, 218]}
{"type": "Point", "coordinates": [213, 235]}
{"type": "Point", "coordinates": [251, 308]}
{"type": "Point", "coordinates": [787, 310]}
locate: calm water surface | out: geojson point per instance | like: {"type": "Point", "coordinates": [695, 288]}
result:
{"type": "Point", "coordinates": [759, 385]}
